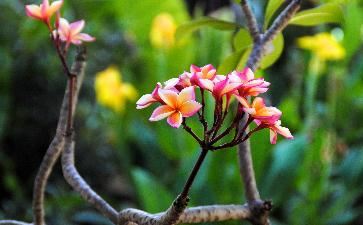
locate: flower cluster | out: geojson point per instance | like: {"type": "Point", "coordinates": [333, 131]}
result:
{"type": "Point", "coordinates": [69, 33]}
{"type": "Point", "coordinates": [178, 101]}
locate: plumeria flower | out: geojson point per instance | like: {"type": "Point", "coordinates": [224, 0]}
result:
{"type": "Point", "coordinates": [147, 99]}
{"type": "Point", "coordinates": [276, 128]}
{"type": "Point", "coordinates": [176, 106]}
{"type": "Point", "coordinates": [258, 110]}
{"type": "Point", "coordinates": [43, 11]}
{"type": "Point", "coordinates": [250, 86]}
{"type": "Point", "coordinates": [203, 76]}
{"type": "Point", "coordinates": [224, 86]}
{"type": "Point", "coordinates": [71, 32]}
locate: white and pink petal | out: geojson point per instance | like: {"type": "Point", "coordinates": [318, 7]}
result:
{"type": "Point", "coordinates": [161, 112]}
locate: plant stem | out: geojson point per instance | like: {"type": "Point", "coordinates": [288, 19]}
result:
{"type": "Point", "coordinates": [189, 182]}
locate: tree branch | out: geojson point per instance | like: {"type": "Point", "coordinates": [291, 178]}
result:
{"type": "Point", "coordinates": [57, 144]}
{"type": "Point", "coordinates": [74, 179]}
{"type": "Point", "coordinates": [212, 213]}
{"type": "Point", "coordinates": [259, 209]}
{"type": "Point", "coordinates": [282, 20]}
{"type": "Point", "coordinates": [13, 222]}
{"type": "Point", "coordinates": [251, 21]}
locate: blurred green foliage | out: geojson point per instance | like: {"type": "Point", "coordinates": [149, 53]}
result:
{"type": "Point", "coordinates": [317, 178]}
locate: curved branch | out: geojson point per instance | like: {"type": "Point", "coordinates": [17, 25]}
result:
{"type": "Point", "coordinates": [57, 144]}
{"type": "Point", "coordinates": [13, 222]}
{"type": "Point", "coordinates": [212, 213]}
{"type": "Point", "coordinates": [80, 185]}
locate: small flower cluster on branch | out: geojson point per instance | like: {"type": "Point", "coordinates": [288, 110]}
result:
{"type": "Point", "coordinates": [62, 31]}
{"type": "Point", "coordinates": [178, 102]}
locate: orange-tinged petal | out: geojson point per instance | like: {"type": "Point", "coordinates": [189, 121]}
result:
{"type": "Point", "coordinates": [169, 97]}
{"type": "Point", "coordinates": [185, 95]}
{"type": "Point", "coordinates": [175, 119]}
{"type": "Point", "coordinates": [161, 112]}
{"type": "Point", "coordinates": [189, 108]}
{"type": "Point", "coordinates": [268, 111]}
{"type": "Point", "coordinates": [54, 7]}
{"type": "Point", "coordinates": [33, 11]}
{"type": "Point", "coordinates": [243, 101]}
{"type": "Point", "coordinates": [44, 7]}
{"type": "Point", "coordinates": [258, 103]}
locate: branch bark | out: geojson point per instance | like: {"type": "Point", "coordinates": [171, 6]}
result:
{"type": "Point", "coordinates": [201, 214]}
{"type": "Point", "coordinates": [80, 185]}
{"type": "Point", "coordinates": [259, 209]}
{"type": "Point", "coordinates": [57, 144]}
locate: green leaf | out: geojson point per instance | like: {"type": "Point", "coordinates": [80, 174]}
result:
{"type": "Point", "coordinates": [271, 8]}
{"type": "Point", "coordinates": [154, 197]}
{"type": "Point", "coordinates": [242, 39]}
{"type": "Point", "coordinates": [233, 61]}
{"type": "Point", "coordinates": [274, 51]}
{"type": "Point", "coordinates": [194, 25]}
{"type": "Point", "coordinates": [327, 13]}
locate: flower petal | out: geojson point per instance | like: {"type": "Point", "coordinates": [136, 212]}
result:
{"type": "Point", "coordinates": [54, 7]}
{"type": "Point", "coordinates": [243, 101]}
{"type": "Point", "coordinates": [169, 97]}
{"type": "Point", "coordinates": [185, 95]}
{"type": "Point", "coordinates": [76, 27]}
{"type": "Point", "coordinates": [258, 103]}
{"type": "Point", "coordinates": [273, 136]}
{"type": "Point", "coordinates": [175, 119]}
{"type": "Point", "coordinates": [206, 84]}
{"type": "Point", "coordinates": [33, 11]}
{"type": "Point", "coordinates": [161, 112]}
{"type": "Point", "coordinates": [145, 101]}
{"type": "Point", "coordinates": [85, 37]}
{"type": "Point", "coordinates": [189, 108]}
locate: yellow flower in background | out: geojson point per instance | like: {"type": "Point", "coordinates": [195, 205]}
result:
{"type": "Point", "coordinates": [323, 45]}
{"type": "Point", "coordinates": [111, 91]}
{"type": "Point", "coordinates": [163, 31]}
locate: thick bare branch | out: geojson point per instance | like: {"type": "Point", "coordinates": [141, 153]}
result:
{"type": "Point", "coordinates": [199, 214]}
{"type": "Point", "coordinates": [282, 20]}
{"type": "Point", "coordinates": [57, 144]}
{"type": "Point", "coordinates": [251, 21]}
{"type": "Point", "coordinates": [13, 222]}
{"type": "Point", "coordinates": [80, 185]}
{"type": "Point", "coordinates": [260, 209]}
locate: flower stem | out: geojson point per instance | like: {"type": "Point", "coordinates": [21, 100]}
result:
{"type": "Point", "coordinates": [189, 182]}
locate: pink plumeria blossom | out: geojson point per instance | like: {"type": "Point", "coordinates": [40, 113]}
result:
{"type": "Point", "coordinates": [148, 99]}
{"type": "Point", "coordinates": [176, 106]}
{"type": "Point", "coordinates": [205, 72]}
{"type": "Point", "coordinates": [276, 128]}
{"type": "Point", "coordinates": [251, 86]}
{"type": "Point", "coordinates": [43, 11]}
{"type": "Point", "coordinates": [224, 86]}
{"type": "Point", "coordinates": [71, 32]}
{"type": "Point", "coordinates": [259, 111]}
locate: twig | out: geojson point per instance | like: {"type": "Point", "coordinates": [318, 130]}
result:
{"type": "Point", "coordinates": [74, 179]}
{"type": "Point", "coordinates": [189, 182]}
{"type": "Point", "coordinates": [57, 144]}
